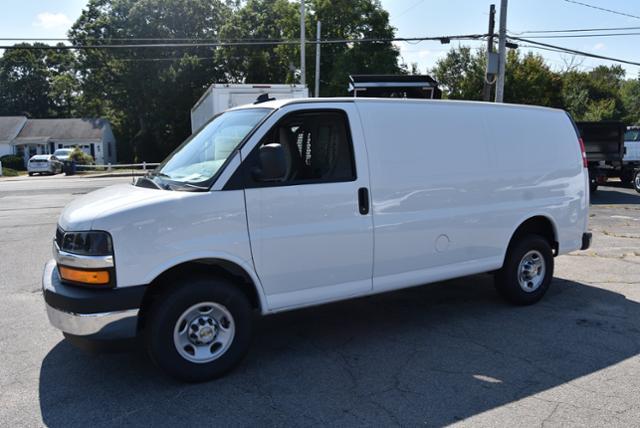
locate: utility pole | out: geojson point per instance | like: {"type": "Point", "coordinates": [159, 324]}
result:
{"type": "Point", "coordinates": [502, 51]}
{"type": "Point", "coordinates": [489, 78]}
{"type": "Point", "coordinates": [303, 68]}
{"type": "Point", "coordinates": [316, 92]}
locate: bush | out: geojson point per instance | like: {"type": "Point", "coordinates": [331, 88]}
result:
{"type": "Point", "coordinates": [80, 157]}
{"type": "Point", "coordinates": [8, 172]}
{"type": "Point", "coordinates": [13, 162]}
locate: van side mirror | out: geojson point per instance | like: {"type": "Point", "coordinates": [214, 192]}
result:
{"type": "Point", "coordinates": [273, 164]}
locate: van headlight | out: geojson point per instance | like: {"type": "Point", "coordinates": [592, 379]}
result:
{"type": "Point", "coordinates": [87, 243]}
{"type": "Point", "coordinates": [85, 258]}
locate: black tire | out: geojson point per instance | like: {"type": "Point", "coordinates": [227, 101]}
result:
{"type": "Point", "coordinates": [636, 181]}
{"type": "Point", "coordinates": [507, 281]}
{"type": "Point", "coordinates": [593, 186]}
{"type": "Point", "coordinates": [169, 306]}
{"type": "Point", "coordinates": [31, 174]}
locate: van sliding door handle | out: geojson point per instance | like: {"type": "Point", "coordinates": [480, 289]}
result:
{"type": "Point", "coordinates": [363, 200]}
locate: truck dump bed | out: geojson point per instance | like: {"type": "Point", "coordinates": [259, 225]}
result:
{"type": "Point", "coordinates": [603, 141]}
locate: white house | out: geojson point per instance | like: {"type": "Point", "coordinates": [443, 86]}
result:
{"type": "Point", "coordinates": [44, 136]}
{"type": "Point", "coordinates": [10, 126]}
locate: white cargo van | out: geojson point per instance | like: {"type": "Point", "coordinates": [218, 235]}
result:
{"type": "Point", "coordinates": [223, 96]}
{"type": "Point", "coordinates": [292, 203]}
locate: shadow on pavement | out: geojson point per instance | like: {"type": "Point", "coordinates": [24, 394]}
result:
{"type": "Point", "coordinates": [615, 194]}
{"type": "Point", "coordinates": [434, 355]}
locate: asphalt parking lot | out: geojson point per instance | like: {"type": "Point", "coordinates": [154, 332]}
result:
{"type": "Point", "coordinates": [444, 353]}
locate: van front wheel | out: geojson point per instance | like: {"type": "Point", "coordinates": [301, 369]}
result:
{"type": "Point", "coordinates": [527, 270]}
{"type": "Point", "coordinates": [198, 329]}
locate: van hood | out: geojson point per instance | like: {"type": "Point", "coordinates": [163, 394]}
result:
{"type": "Point", "coordinates": [81, 213]}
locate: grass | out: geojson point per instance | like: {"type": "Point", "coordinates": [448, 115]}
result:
{"type": "Point", "coordinates": [8, 172]}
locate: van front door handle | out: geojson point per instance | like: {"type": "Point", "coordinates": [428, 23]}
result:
{"type": "Point", "coordinates": [363, 200]}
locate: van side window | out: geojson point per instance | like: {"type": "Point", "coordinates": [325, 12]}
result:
{"type": "Point", "coordinates": [317, 147]}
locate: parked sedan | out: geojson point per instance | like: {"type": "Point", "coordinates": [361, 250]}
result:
{"type": "Point", "coordinates": [44, 164]}
{"type": "Point", "coordinates": [63, 154]}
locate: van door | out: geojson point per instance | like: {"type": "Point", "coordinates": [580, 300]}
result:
{"type": "Point", "coordinates": [311, 232]}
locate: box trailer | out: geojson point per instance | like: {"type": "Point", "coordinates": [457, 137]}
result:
{"type": "Point", "coordinates": [221, 97]}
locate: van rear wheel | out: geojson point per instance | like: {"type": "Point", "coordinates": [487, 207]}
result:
{"type": "Point", "coordinates": [636, 181]}
{"type": "Point", "coordinates": [527, 270]}
{"type": "Point", "coordinates": [198, 329]}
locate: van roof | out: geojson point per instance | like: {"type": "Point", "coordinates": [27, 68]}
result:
{"type": "Point", "coordinates": [279, 103]}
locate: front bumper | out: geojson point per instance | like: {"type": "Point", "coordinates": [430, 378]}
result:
{"type": "Point", "coordinates": [102, 314]}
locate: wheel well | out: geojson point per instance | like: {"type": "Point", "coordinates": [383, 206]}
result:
{"type": "Point", "coordinates": [538, 225]}
{"type": "Point", "coordinates": [215, 267]}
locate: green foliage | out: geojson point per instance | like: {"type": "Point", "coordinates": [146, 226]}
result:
{"type": "Point", "coordinates": [8, 172]}
{"type": "Point", "coordinates": [279, 20]}
{"type": "Point", "coordinates": [13, 162]}
{"type": "Point", "coordinates": [600, 94]}
{"type": "Point", "coordinates": [461, 73]}
{"type": "Point", "coordinates": [350, 19]}
{"type": "Point", "coordinates": [261, 20]}
{"type": "Point", "coordinates": [630, 96]}
{"type": "Point", "coordinates": [37, 83]}
{"type": "Point", "coordinates": [147, 94]}
{"type": "Point", "coordinates": [80, 157]}
{"type": "Point", "coordinates": [530, 81]}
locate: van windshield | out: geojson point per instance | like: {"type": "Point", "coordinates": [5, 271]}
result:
{"type": "Point", "coordinates": [199, 158]}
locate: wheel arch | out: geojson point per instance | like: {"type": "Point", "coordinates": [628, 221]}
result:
{"type": "Point", "coordinates": [539, 224]}
{"type": "Point", "coordinates": [227, 269]}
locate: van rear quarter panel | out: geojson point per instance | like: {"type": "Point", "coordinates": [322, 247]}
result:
{"type": "Point", "coordinates": [451, 181]}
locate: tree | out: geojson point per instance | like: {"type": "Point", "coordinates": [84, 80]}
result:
{"type": "Point", "coordinates": [37, 82]}
{"type": "Point", "coordinates": [279, 20]}
{"type": "Point", "coordinates": [351, 19]}
{"type": "Point", "coordinates": [261, 20]}
{"type": "Point", "coordinates": [528, 80]}
{"type": "Point", "coordinates": [630, 96]}
{"type": "Point", "coordinates": [596, 95]}
{"type": "Point", "coordinates": [147, 93]}
{"type": "Point", "coordinates": [461, 73]}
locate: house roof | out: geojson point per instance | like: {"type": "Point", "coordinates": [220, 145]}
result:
{"type": "Point", "coordinates": [63, 129]}
{"type": "Point", "coordinates": [10, 126]}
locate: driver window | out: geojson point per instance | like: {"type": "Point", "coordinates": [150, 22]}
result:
{"type": "Point", "coordinates": [317, 147]}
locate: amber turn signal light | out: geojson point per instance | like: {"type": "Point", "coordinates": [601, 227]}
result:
{"type": "Point", "coordinates": [97, 277]}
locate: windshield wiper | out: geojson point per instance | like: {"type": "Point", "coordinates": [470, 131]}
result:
{"type": "Point", "coordinates": [189, 186]}
{"type": "Point", "coordinates": [158, 174]}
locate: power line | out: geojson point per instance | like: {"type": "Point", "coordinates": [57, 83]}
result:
{"type": "Point", "coordinates": [442, 39]}
{"type": "Point", "coordinates": [110, 39]}
{"type": "Point", "coordinates": [409, 8]}
{"type": "Point", "coordinates": [603, 9]}
{"type": "Point", "coordinates": [572, 30]}
{"type": "Point", "coordinates": [576, 52]}
{"type": "Point", "coordinates": [575, 36]}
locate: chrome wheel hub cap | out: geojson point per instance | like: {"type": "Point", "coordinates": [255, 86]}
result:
{"type": "Point", "coordinates": [531, 271]}
{"type": "Point", "coordinates": [204, 332]}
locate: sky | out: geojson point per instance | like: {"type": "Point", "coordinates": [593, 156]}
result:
{"type": "Point", "coordinates": [416, 18]}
